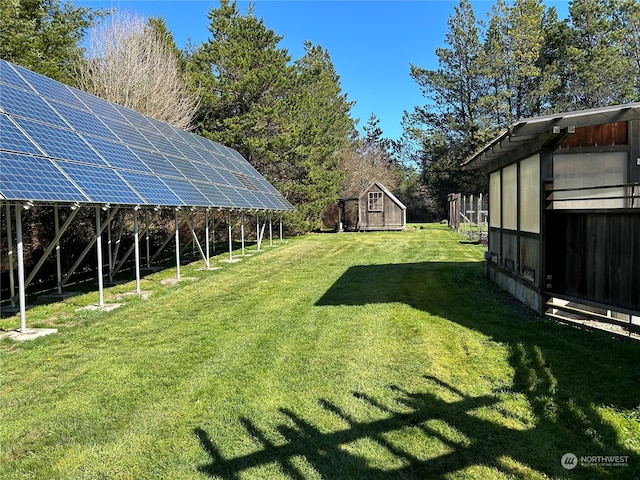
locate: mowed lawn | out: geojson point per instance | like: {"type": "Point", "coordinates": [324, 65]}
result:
{"type": "Point", "coordinates": [337, 356]}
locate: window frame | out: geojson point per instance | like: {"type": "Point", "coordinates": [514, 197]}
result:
{"type": "Point", "coordinates": [376, 202]}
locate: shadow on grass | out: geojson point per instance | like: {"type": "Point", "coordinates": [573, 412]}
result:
{"type": "Point", "coordinates": [564, 374]}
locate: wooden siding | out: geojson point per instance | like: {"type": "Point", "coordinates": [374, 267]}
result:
{"type": "Point", "coordinates": [598, 135]}
{"type": "Point", "coordinates": [392, 216]}
{"type": "Point", "coordinates": [595, 256]}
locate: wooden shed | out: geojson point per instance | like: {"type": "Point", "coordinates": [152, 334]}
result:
{"type": "Point", "coordinates": [379, 209]}
{"type": "Point", "coordinates": [564, 214]}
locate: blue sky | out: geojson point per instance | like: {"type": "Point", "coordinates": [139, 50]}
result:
{"type": "Point", "coordinates": [371, 42]}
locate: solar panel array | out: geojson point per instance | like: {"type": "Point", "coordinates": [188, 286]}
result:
{"type": "Point", "coordinates": [59, 144]}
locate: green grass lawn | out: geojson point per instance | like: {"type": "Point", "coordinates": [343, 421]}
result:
{"type": "Point", "coordinates": [377, 355]}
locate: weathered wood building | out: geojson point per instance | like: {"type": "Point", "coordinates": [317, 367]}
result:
{"type": "Point", "coordinates": [376, 208]}
{"type": "Point", "coordinates": [564, 214]}
{"type": "Point", "coordinates": [379, 209]}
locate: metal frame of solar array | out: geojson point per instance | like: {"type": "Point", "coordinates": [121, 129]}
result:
{"type": "Point", "coordinates": [59, 144]}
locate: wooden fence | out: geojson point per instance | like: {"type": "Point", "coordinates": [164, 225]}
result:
{"type": "Point", "coordinates": [469, 213]}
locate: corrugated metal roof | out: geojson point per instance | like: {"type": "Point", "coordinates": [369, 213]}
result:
{"type": "Point", "coordinates": [529, 129]}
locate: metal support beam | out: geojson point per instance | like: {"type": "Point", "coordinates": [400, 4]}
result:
{"type": "Point", "coordinates": [21, 283]}
{"type": "Point", "coordinates": [270, 231]}
{"type": "Point", "coordinates": [196, 241]}
{"type": "Point", "coordinates": [55, 244]}
{"type": "Point", "coordinates": [131, 249]}
{"type": "Point", "coordinates": [114, 267]}
{"type": "Point", "coordinates": [88, 247]}
{"type": "Point", "coordinates": [280, 228]}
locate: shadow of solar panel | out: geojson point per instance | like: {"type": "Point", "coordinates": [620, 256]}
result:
{"type": "Point", "coordinates": [100, 184]}
{"type": "Point", "coordinates": [12, 138]}
{"type": "Point", "coordinates": [47, 87]}
{"type": "Point", "coordinates": [83, 121]}
{"type": "Point", "coordinates": [27, 105]}
{"type": "Point", "coordinates": [151, 188]}
{"type": "Point", "coordinates": [60, 143]}
{"type": "Point", "coordinates": [116, 154]}
{"type": "Point", "coordinates": [186, 192]}
{"type": "Point", "coordinates": [9, 76]}
{"type": "Point", "coordinates": [25, 177]}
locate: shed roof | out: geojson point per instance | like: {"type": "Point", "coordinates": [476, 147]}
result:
{"type": "Point", "coordinates": [386, 192]}
{"type": "Point", "coordinates": [530, 130]}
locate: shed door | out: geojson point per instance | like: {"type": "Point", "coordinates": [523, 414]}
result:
{"type": "Point", "coordinates": [375, 209]}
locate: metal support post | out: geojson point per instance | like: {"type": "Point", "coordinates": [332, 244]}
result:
{"type": "Point", "coordinates": [21, 287]}
{"type": "Point", "coordinates": [206, 236]}
{"type": "Point", "coordinates": [177, 246]}
{"type": "Point", "coordinates": [136, 241]}
{"type": "Point", "coordinates": [12, 282]}
{"type": "Point", "coordinates": [242, 230]}
{"type": "Point", "coordinates": [99, 255]}
{"type": "Point", "coordinates": [230, 240]}
{"type": "Point", "coordinates": [56, 219]}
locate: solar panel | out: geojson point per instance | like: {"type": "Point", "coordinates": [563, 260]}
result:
{"type": "Point", "coordinates": [83, 121]}
{"type": "Point", "coordinates": [151, 188]}
{"type": "Point", "coordinates": [46, 87]}
{"type": "Point", "coordinates": [214, 194]}
{"type": "Point", "coordinates": [12, 138]}
{"type": "Point", "coordinates": [25, 177]}
{"type": "Point", "coordinates": [128, 135]}
{"type": "Point", "coordinates": [161, 143]}
{"type": "Point", "coordinates": [187, 169]}
{"type": "Point", "coordinates": [156, 162]}
{"type": "Point", "coordinates": [116, 154]}
{"type": "Point", "coordinates": [98, 106]}
{"type": "Point", "coordinates": [101, 184]}
{"type": "Point", "coordinates": [28, 105]}
{"type": "Point", "coordinates": [60, 143]}
{"type": "Point", "coordinates": [187, 192]}
{"type": "Point", "coordinates": [9, 76]}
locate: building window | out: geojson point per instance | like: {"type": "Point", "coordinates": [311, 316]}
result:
{"type": "Point", "coordinates": [375, 201]}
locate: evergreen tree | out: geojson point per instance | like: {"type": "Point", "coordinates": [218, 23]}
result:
{"type": "Point", "coordinates": [44, 35]}
{"type": "Point", "coordinates": [598, 70]}
{"type": "Point", "coordinates": [288, 120]}
{"type": "Point", "coordinates": [451, 125]}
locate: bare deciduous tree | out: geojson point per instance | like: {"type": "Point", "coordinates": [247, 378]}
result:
{"type": "Point", "coordinates": [363, 168]}
{"type": "Point", "coordinates": [129, 64]}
